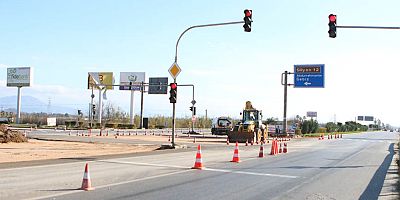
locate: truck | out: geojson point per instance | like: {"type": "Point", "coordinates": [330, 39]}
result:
{"type": "Point", "coordinates": [250, 128]}
{"type": "Point", "coordinates": [221, 126]}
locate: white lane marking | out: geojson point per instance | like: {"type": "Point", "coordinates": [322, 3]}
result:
{"type": "Point", "coordinates": [207, 169]}
{"type": "Point", "coordinates": [162, 175]}
{"type": "Point", "coordinates": [140, 163]}
{"type": "Point", "coordinates": [110, 185]}
{"type": "Point", "coordinates": [249, 173]}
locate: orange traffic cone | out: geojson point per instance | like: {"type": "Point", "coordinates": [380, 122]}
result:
{"type": "Point", "coordinates": [280, 147]}
{"type": "Point", "coordinates": [272, 148]}
{"type": "Point", "coordinates": [261, 154]}
{"type": "Point", "coordinates": [86, 183]}
{"type": "Point", "coordinates": [285, 148]}
{"type": "Point", "coordinates": [236, 154]}
{"type": "Point", "coordinates": [198, 164]}
{"type": "Point", "coordinates": [276, 147]}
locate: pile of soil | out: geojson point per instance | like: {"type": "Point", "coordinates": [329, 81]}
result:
{"type": "Point", "coordinates": [7, 135]}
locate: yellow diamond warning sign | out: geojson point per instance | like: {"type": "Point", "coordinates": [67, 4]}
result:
{"type": "Point", "coordinates": [174, 70]}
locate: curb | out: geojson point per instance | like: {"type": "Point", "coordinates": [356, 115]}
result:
{"type": "Point", "coordinates": [390, 185]}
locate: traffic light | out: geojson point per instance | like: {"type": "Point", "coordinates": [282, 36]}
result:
{"type": "Point", "coordinates": [193, 109]}
{"type": "Point", "coordinates": [94, 109]}
{"type": "Point", "coordinates": [332, 26]}
{"type": "Point", "coordinates": [247, 20]}
{"type": "Point", "coordinates": [79, 112]}
{"type": "Point", "coordinates": [173, 92]}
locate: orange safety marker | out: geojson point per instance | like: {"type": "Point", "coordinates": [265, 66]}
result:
{"type": "Point", "coordinates": [285, 148]}
{"type": "Point", "coordinates": [198, 164]}
{"type": "Point", "coordinates": [86, 183]}
{"type": "Point", "coordinates": [261, 154]}
{"type": "Point", "coordinates": [236, 154]}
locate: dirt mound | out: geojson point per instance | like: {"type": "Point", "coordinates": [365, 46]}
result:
{"type": "Point", "coordinates": [7, 135]}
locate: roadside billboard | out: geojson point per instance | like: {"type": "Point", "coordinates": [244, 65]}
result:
{"type": "Point", "coordinates": [311, 114]}
{"type": "Point", "coordinates": [131, 80]}
{"type": "Point", "coordinates": [19, 77]}
{"type": "Point", "coordinates": [98, 80]}
{"type": "Point", "coordinates": [51, 121]}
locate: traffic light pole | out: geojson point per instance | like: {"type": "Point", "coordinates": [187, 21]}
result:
{"type": "Point", "coordinates": [369, 27]}
{"type": "Point", "coordinates": [193, 103]}
{"type": "Point", "coordinates": [200, 26]}
{"type": "Point", "coordinates": [173, 122]}
{"type": "Point", "coordinates": [176, 61]}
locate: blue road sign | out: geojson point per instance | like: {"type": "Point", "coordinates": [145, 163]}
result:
{"type": "Point", "coordinates": [309, 76]}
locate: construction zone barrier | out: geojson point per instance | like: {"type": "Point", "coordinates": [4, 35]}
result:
{"type": "Point", "coordinates": [236, 154]}
{"type": "Point", "coordinates": [198, 164]}
{"type": "Point", "coordinates": [86, 183]}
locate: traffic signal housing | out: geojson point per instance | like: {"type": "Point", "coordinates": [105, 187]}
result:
{"type": "Point", "coordinates": [193, 109]}
{"type": "Point", "coordinates": [94, 109]}
{"type": "Point", "coordinates": [247, 20]}
{"type": "Point", "coordinates": [173, 92]}
{"type": "Point", "coordinates": [332, 26]}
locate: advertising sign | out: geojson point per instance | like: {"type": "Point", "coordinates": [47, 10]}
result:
{"type": "Point", "coordinates": [311, 114]}
{"type": "Point", "coordinates": [98, 80]}
{"type": "Point", "coordinates": [131, 80]}
{"type": "Point", "coordinates": [51, 121]}
{"type": "Point", "coordinates": [19, 77]}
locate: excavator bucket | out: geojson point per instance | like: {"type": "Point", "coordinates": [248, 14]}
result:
{"type": "Point", "coordinates": [237, 136]}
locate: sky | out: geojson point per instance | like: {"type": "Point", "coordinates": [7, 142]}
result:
{"type": "Point", "coordinates": [64, 40]}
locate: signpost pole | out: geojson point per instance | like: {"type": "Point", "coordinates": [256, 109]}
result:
{"type": "Point", "coordinates": [285, 103]}
{"type": "Point", "coordinates": [100, 107]}
{"type": "Point", "coordinates": [19, 105]}
{"type": "Point", "coordinates": [141, 105]}
{"type": "Point", "coordinates": [91, 109]}
{"type": "Point", "coordinates": [131, 113]}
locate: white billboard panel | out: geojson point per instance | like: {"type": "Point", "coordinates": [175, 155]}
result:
{"type": "Point", "coordinates": [51, 121]}
{"type": "Point", "coordinates": [127, 79]}
{"type": "Point", "coordinates": [19, 77]}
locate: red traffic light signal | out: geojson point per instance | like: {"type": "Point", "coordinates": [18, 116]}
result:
{"type": "Point", "coordinates": [173, 92]}
{"type": "Point", "coordinates": [173, 86]}
{"type": "Point", "coordinates": [247, 20]}
{"type": "Point", "coordinates": [332, 25]}
{"type": "Point", "coordinates": [332, 18]}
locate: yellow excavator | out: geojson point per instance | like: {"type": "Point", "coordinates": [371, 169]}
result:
{"type": "Point", "coordinates": [250, 128]}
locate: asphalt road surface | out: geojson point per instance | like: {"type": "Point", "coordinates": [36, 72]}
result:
{"type": "Point", "coordinates": [353, 167]}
